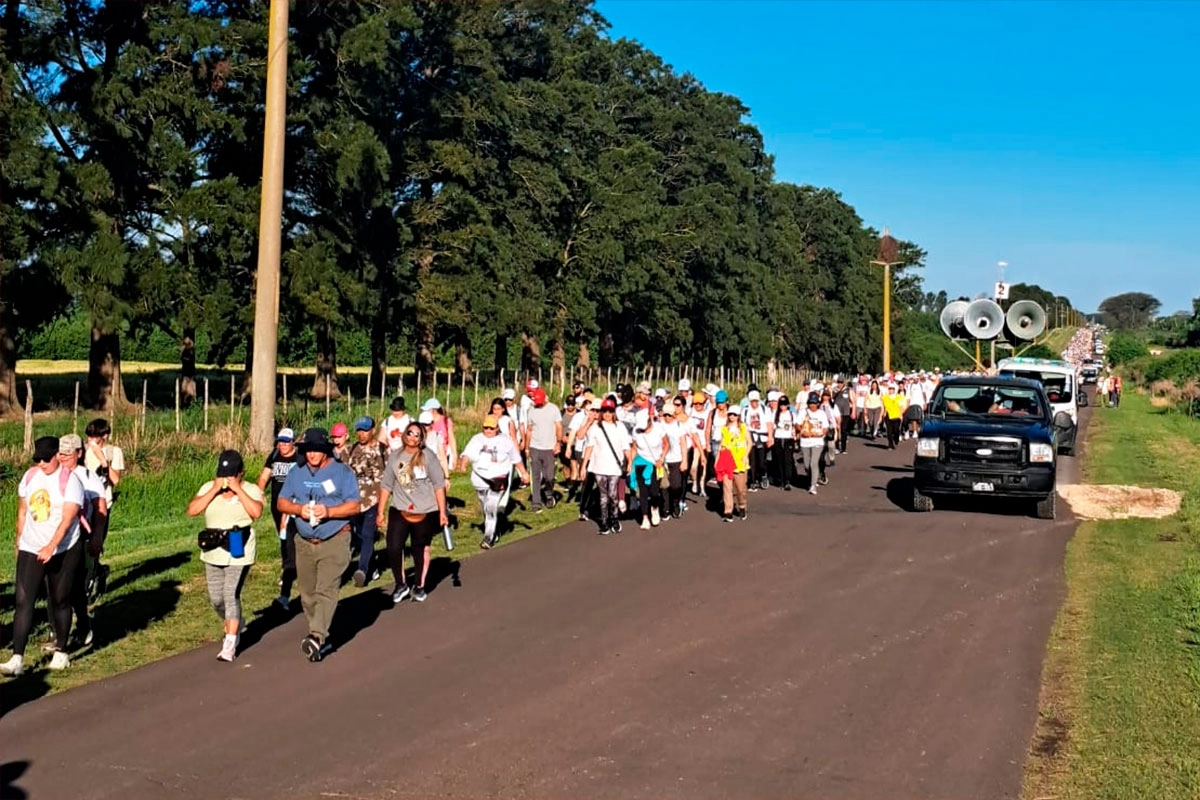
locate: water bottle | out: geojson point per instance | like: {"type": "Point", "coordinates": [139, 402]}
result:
{"type": "Point", "coordinates": [237, 545]}
{"type": "Point", "coordinates": [447, 537]}
{"type": "Point", "coordinates": [308, 511]}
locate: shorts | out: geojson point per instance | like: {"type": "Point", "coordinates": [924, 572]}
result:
{"type": "Point", "coordinates": [913, 414]}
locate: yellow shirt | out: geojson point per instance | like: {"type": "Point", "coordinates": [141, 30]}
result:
{"type": "Point", "coordinates": [738, 446]}
{"type": "Point", "coordinates": [223, 513]}
{"type": "Point", "coordinates": [892, 407]}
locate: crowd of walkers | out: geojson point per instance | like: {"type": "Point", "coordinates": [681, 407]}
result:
{"type": "Point", "coordinates": [633, 455]}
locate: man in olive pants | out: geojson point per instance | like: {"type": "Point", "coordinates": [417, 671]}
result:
{"type": "Point", "coordinates": [321, 494]}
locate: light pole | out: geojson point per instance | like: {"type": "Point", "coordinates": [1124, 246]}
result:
{"type": "Point", "coordinates": [270, 221]}
{"type": "Point", "coordinates": [886, 258]}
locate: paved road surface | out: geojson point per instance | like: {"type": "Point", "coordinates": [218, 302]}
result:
{"type": "Point", "coordinates": [834, 646]}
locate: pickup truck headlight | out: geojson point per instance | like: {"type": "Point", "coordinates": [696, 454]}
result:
{"type": "Point", "coordinates": [1041, 453]}
{"type": "Point", "coordinates": [927, 448]}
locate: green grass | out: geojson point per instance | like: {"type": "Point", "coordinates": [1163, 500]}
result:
{"type": "Point", "coordinates": [158, 604]}
{"type": "Point", "coordinates": [1120, 710]}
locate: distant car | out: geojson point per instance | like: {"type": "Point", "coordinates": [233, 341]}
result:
{"type": "Point", "coordinates": [989, 436]}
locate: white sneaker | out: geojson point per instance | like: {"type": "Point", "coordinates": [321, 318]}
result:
{"type": "Point", "coordinates": [13, 667]}
{"type": "Point", "coordinates": [645, 524]}
{"type": "Point", "coordinates": [655, 519]}
{"type": "Point", "coordinates": [60, 660]}
{"type": "Point", "coordinates": [228, 648]}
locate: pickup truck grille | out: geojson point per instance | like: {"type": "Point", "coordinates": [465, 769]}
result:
{"type": "Point", "coordinates": [967, 450]}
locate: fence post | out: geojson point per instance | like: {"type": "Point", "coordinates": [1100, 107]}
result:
{"type": "Point", "coordinates": [285, 394]}
{"type": "Point", "coordinates": [177, 420]}
{"type": "Point", "coordinates": [349, 399]}
{"type": "Point", "coordinates": [476, 401]}
{"type": "Point", "coordinates": [232, 400]}
{"type": "Point", "coordinates": [206, 405]}
{"type": "Point", "coordinates": [28, 446]}
{"type": "Point", "coordinates": [462, 391]}
{"type": "Point", "coordinates": [367, 393]}
{"type": "Point", "coordinates": [419, 386]}
{"type": "Point", "coordinates": [382, 388]}
{"type": "Point", "coordinates": [502, 386]}
{"type": "Point", "coordinates": [326, 397]}
{"type": "Point", "coordinates": [75, 414]}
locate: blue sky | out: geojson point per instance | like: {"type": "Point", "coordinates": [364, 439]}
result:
{"type": "Point", "coordinates": [1063, 138]}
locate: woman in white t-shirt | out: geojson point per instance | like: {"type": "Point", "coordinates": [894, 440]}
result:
{"type": "Point", "coordinates": [650, 444]}
{"type": "Point", "coordinates": [813, 426]}
{"type": "Point", "coordinates": [680, 441]}
{"type": "Point", "coordinates": [494, 456]}
{"type": "Point", "coordinates": [577, 431]}
{"type": "Point", "coordinates": [606, 456]}
{"type": "Point", "coordinates": [229, 504]}
{"type": "Point", "coordinates": [784, 453]}
{"type": "Point", "coordinates": [49, 548]}
{"type": "Point", "coordinates": [391, 429]}
{"type": "Point", "coordinates": [698, 415]}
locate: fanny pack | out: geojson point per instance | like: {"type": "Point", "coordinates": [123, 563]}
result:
{"type": "Point", "coordinates": [499, 484]}
{"type": "Point", "coordinates": [212, 538]}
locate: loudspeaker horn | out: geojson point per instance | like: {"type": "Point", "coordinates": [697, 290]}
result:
{"type": "Point", "coordinates": [952, 320]}
{"type": "Point", "coordinates": [1026, 319]}
{"type": "Point", "coordinates": [984, 319]}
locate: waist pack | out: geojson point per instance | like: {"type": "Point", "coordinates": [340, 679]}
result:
{"type": "Point", "coordinates": [212, 538]}
{"type": "Point", "coordinates": [499, 484]}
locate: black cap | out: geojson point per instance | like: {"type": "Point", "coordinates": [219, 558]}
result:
{"type": "Point", "coordinates": [45, 448]}
{"type": "Point", "coordinates": [397, 404]}
{"type": "Point", "coordinates": [315, 440]}
{"type": "Point", "coordinates": [229, 464]}
{"type": "Point", "coordinates": [814, 399]}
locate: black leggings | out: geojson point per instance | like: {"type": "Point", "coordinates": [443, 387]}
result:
{"type": "Point", "coordinates": [675, 478]}
{"type": "Point", "coordinates": [758, 463]}
{"type": "Point", "coordinates": [398, 532]}
{"type": "Point", "coordinates": [785, 461]}
{"type": "Point", "coordinates": [649, 494]}
{"type": "Point", "coordinates": [893, 432]}
{"type": "Point", "coordinates": [59, 574]}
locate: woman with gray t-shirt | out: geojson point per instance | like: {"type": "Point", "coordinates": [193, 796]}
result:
{"type": "Point", "coordinates": [412, 502]}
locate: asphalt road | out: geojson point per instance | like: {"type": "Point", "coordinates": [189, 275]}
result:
{"type": "Point", "coordinates": [829, 646]}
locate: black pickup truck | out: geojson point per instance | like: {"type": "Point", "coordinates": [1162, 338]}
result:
{"type": "Point", "coordinates": [988, 436]}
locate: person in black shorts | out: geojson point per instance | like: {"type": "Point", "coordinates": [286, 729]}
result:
{"type": "Point", "coordinates": [275, 471]}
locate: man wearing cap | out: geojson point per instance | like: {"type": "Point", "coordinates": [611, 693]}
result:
{"type": "Point", "coordinates": [843, 400]}
{"type": "Point", "coordinates": [366, 459]}
{"type": "Point", "coordinates": [322, 496]}
{"type": "Point", "coordinates": [93, 519]}
{"type": "Point", "coordinates": [278, 466]}
{"type": "Point", "coordinates": [545, 434]}
{"type": "Point", "coordinates": [48, 548]}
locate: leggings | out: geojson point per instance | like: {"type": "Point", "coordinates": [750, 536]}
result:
{"type": "Point", "coordinates": [609, 486]}
{"type": "Point", "coordinates": [59, 574]}
{"type": "Point", "coordinates": [785, 461]}
{"type": "Point", "coordinates": [812, 462]}
{"type": "Point", "coordinates": [758, 463]}
{"type": "Point", "coordinates": [225, 589]}
{"type": "Point", "coordinates": [79, 584]}
{"type": "Point", "coordinates": [874, 415]}
{"type": "Point", "coordinates": [490, 501]}
{"type": "Point", "coordinates": [287, 554]}
{"type": "Point", "coordinates": [398, 531]}
{"type": "Point", "coordinates": [893, 431]}
{"type": "Point", "coordinates": [675, 478]}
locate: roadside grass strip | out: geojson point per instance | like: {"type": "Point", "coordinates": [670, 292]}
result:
{"type": "Point", "coordinates": [1120, 706]}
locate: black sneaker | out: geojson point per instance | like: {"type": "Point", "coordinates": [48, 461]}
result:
{"type": "Point", "coordinates": [419, 595]}
{"type": "Point", "coordinates": [741, 513]}
{"type": "Point", "coordinates": [824, 481]}
{"type": "Point", "coordinates": [312, 649]}
{"type": "Point", "coordinates": [552, 502]}
{"type": "Point", "coordinates": [727, 517]}
{"type": "Point", "coordinates": [787, 487]}
{"type": "Point", "coordinates": [616, 528]}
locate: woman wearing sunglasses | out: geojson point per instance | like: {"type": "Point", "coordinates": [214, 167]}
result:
{"type": "Point", "coordinates": [679, 443]}
{"type": "Point", "coordinates": [414, 494]}
{"type": "Point", "coordinates": [493, 456]}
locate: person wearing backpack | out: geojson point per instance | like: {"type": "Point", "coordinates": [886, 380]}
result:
{"type": "Point", "coordinates": [367, 458]}
{"type": "Point", "coordinates": [94, 521]}
{"type": "Point", "coordinates": [48, 548]}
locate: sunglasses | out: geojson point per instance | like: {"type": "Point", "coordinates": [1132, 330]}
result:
{"type": "Point", "coordinates": [489, 427]}
{"type": "Point", "coordinates": [678, 404]}
{"type": "Point", "coordinates": [412, 434]}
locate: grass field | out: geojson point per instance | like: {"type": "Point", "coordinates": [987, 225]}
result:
{"type": "Point", "coordinates": [1120, 709]}
{"type": "Point", "coordinates": [157, 604]}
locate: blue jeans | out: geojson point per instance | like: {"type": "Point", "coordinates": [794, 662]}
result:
{"type": "Point", "coordinates": [365, 526]}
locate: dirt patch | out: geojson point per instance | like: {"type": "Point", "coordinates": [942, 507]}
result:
{"type": "Point", "coordinates": [1120, 502]}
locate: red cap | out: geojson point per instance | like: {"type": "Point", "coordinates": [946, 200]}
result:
{"type": "Point", "coordinates": [539, 397]}
{"type": "Point", "coordinates": [608, 405]}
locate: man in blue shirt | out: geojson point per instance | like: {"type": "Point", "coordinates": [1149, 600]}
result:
{"type": "Point", "coordinates": [321, 495]}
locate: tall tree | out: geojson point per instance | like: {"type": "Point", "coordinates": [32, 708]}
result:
{"type": "Point", "coordinates": [1129, 311]}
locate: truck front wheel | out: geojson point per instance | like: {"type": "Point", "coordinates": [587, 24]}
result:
{"type": "Point", "coordinates": [1046, 506]}
{"type": "Point", "coordinates": [921, 502]}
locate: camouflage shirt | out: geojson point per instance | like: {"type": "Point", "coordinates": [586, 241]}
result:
{"type": "Point", "coordinates": [367, 462]}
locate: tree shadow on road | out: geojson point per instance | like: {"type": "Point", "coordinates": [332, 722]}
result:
{"type": "Point", "coordinates": [10, 772]}
{"type": "Point", "coordinates": [19, 691]}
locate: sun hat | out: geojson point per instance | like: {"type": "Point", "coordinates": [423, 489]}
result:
{"type": "Point", "coordinates": [660, 392]}
{"type": "Point", "coordinates": [608, 404]}
{"type": "Point", "coordinates": [596, 404]}
{"type": "Point", "coordinates": [814, 399]}
{"type": "Point", "coordinates": [531, 385]}
{"type": "Point", "coordinates": [538, 396]}
{"type": "Point", "coordinates": [711, 389]}
{"type": "Point", "coordinates": [643, 388]}
{"type": "Point", "coordinates": [397, 404]}
{"type": "Point", "coordinates": [45, 449]}
{"type": "Point", "coordinates": [641, 420]}
{"type": "Point", "coordinates": [734, 411]}
{"type": "Point", "coordinates": [315, 440]}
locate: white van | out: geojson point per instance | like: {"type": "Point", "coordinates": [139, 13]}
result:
{"type": "Point", "coordinates": [1060, 379]}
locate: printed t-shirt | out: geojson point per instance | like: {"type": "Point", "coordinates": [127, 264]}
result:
{"type": "Point", "coordinates": [491, 456]}
{"type": "Point", "coordinates": [818, 424]}
{"type": "Point", "coordinates": [44, 497]}
{"type": "Point", "coordinates": [280, 466]}
{"type": "Point", "coordinates": [393, 429]}
{"type": "Point", "coordinates": [415, 495]}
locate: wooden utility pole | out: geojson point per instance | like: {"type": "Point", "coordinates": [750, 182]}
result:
{"type": "Point", "coordinates": [270, 221]}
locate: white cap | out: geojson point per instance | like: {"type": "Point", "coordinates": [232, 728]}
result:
{"type": "Point", "coordinates": [712, 389]}
{"type": "Point", "coordinates": [425, 418]}
{"type": "Point", "coordinates": [641, 420]}
{"type": "Point", "coordinates": [837, 378]}
{"type": "Point", "coordinates": [685, 385]}
{"type": "Point", "coordinates": [285, 435]}
{"type": "Point", "coordinates": [754, 395]}
{"type": "Point", "coordinates": [509, 394]}
{"type": "Point", "coordinates": [660, 393]}
{"type": "Point", "coordinates": [773, 395]}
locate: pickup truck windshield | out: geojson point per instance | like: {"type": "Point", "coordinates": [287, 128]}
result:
{"type": "Point", "coordinates": [987, 401]}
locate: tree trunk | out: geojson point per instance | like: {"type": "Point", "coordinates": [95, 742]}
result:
{"type": "Point", "coordinates": [378, 347]}
{"type": "Point", "coordinates": [426, 360]}
{"type": "Point", "coordinates": [187, 367]}
{"type": "Point", "coordinates": [531, 354]}
{"type": "Point", "coordinates": [558, 358]}
{"type": "Point", "coordinates": [500, 359]}
{"type": "Point", "coordinates": [606, 350]}
{"type": "Point", "coordinates": [105, 391]}
{"type": "Point", "coordinates": [462, 357]}
{"type": "Point", "coordinates": [326, 363]}
{"type": "Point", "coordinates": [8, 360]}
{"type": "Point", "coordinates": [583, 365]}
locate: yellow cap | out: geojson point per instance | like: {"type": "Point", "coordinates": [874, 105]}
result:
{"type": "Point", "coordinates": [490, 421]}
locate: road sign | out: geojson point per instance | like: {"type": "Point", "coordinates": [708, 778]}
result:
{"type": "Point", "coordinates": [1001, 291]}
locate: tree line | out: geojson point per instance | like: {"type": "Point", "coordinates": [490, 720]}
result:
{"type": "Point", "coordinates": [489, 182]}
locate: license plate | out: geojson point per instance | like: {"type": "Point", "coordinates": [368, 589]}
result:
{"type": "Point", "coordinates": [983, 487]}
